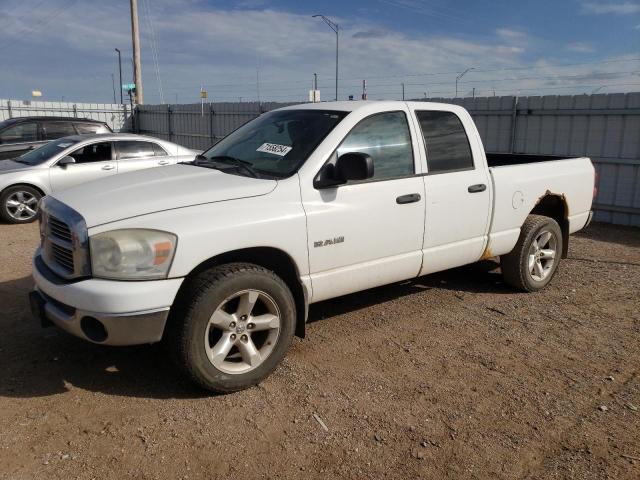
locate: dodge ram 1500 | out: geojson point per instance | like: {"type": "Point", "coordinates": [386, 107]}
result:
{"type": "Point", "coordinates": [222, 256]}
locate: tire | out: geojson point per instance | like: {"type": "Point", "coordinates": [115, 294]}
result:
{"type": "Point", "coordinates": [213, 314]}
{"type": "Point", "coordinates": [19, 204]}
{"type": "Point", "coordinates": [529, 268]}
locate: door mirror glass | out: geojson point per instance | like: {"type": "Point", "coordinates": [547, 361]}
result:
{"type": "Point", "coordinates": [351, 166]}
{"type": "Point", "coordinates": [354, 166]}
{"type": "Point", "coordinates": [64, 161]}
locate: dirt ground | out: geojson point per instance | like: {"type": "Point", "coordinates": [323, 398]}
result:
{"type": "Point", "coordinates": [450, 376]}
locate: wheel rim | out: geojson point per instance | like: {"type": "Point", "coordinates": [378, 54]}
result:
{"type": "Point", "coordinates": [542, 255]}
{"type": "Point", "coordinates": [22, 205]}
{"type": "Point", "coordinates": [242, 332]}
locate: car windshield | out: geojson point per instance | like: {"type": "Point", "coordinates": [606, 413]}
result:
{"type": "Point", "coordinates": [45, 152]}
{"type": "Point", "coordinates": [275, 144]}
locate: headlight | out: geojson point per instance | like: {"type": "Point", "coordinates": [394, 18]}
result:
{"type": "Point", "coordinates": [132, 254]}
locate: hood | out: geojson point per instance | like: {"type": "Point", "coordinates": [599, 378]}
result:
{"type": "Point", "coordinates": [10, 165]}
{"type": "Point", "coordinates": [157, 189]}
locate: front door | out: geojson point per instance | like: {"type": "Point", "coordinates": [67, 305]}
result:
{"type": "Point", "coordinates": [368, 233]}
{"type": "Point", "coordinates": [458, 193]}
{"type": "Point", "coordinates": [93, 161]}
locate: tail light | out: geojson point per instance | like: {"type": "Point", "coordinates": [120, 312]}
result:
{"type": "Point", "coordinates": [595, 184]}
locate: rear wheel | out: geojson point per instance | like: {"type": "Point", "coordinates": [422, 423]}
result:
{"type": "Point", "coordinates": [235, 327]}
{"type": "Point", "coordinates": [19, 204]}
{"type": "Point", "coordinates": [530, 266]}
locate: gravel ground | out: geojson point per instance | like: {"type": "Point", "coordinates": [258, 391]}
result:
{"type": "Point", "coordinates": [452, 375]}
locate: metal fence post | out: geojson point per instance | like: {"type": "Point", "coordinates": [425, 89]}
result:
{"type": "Point", "coordinates": [75, 110]}
{"type": "Point", "coordinates": [211, 115]}
{"type": "Point", "coordinates": [514, 123]}
{"type": "Point", "coordinates": [169, 123]}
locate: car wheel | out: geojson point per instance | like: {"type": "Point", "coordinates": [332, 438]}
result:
{"type": "Point", "coordinates": [233, 328]}
{"type": "Point", "coordinates": [19, 204]}
{"type": "Point", "coordinates": [533, 262]}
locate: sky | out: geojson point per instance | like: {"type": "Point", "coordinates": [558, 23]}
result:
{"type": "Point", "coordinates": [269, 49]}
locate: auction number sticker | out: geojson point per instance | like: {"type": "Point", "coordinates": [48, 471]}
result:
{"type": "Point", "coordinates": [274, 148]}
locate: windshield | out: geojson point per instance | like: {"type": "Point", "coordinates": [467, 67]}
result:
{"type": "Point", "coordinates": [45, 152]}
{"type": "Point", "coordinates": [275, 144]}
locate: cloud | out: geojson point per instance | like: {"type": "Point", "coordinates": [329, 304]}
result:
{"type": "Point", "coordinates": [511, 34]}
{"type": "Point", "coordinates": [379, 33]}
{"type": "Point", "coordinates": [621, 8]}
{"type": "Point", "coordinates": [580, 47]}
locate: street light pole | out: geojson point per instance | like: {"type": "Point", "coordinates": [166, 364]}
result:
{"type": "Point", "coordinates": [460, 76]}
{"type": "Point", "coordinates": [135, 38]}
{"type": "Point", "coordinates": [333, 26]}
{"type": "Point", "coordinates": [120, 70]}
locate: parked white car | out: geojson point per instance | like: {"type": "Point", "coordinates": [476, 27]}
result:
{"type": "Point", "coordinates": [75, 160]}
{"type": "Point", "coordinates": [221, 258]}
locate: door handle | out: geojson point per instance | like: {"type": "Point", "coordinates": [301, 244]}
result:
{"type": "Point", "coordinates": [108, 167]}
{"type": "Point", "coordinates": [163, 162]}
{"type": "Point", "coordinates": [479, 187]}
{"type": "Point", "coordinates": [409, 198]}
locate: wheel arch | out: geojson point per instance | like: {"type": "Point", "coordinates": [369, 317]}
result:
{"type": "Point", "coordinates": [555, 206]}
{"type": "Point", "coordinates": [274, 259]}
{"type": "Point", "coordinates": [24, 184]}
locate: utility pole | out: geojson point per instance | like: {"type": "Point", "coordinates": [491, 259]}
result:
{"type": "Point", "coordinates": [333, 26]}
{"type": "Point", "coordinates": [474, 92]}
{"type": "Point", "coordinates": [120, 70]}
{"type": "Point", "coordinates": [402, 90]}
{"type": "Point", "coordinates": [459, 77]}
{"type": "Point", "coordinates": [364, 89]}
{"type": "Point", "coordinates": [135, 37]}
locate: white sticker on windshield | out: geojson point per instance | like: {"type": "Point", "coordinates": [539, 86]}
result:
{"type": "Point", "coordinates": [280, 150]}
{"type": "Point", "coordinates": [65, 144]}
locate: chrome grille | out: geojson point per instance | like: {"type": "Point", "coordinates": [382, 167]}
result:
{"type": "Point", "coordinates": [63, 256]}
{"type": "Point", "coordinates": [64, 248]}
{"type": "Point", "coordinates": [59, 229]}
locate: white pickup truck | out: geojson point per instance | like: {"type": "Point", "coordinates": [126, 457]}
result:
{"type": "Point", "coordinates": [221, 257]}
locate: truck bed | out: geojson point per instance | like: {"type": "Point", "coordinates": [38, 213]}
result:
{"type": "Point", "coordinates": [504, 159]}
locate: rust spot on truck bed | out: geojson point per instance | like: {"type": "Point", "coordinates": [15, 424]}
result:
{"type": "Point", "coordinates": [487, 254]}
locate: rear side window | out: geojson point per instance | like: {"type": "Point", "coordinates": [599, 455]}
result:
{"type": "Point", "coordinates": [158, 150]}
{"type": "Point", "coordinates": [23, 132]}
{"type": "Point", "coordinates": [88, 128]}
{"type": "Point", "coordinates": [134, 149]}
{"type": "Point", "coordinates": [386, 138]}
{"type": "Point", "coordinates": [53, 130]}
{"type": "Point", "coordinates": [446, 142]}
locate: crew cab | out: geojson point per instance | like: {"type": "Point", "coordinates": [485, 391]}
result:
{"type": "Point", "coordinates": [221, 258]}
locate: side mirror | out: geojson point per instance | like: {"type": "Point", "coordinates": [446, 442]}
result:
{"type": "Point", "coordinates": [354, 166]}
{"type": "Point", "coordinates": [64, 161]}
{"type": "Point", "coordinates": [350, 166]}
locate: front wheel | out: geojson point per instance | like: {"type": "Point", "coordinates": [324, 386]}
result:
{"type": "Point", "coordinates": [234, 328]}
{"type": "Point", "coordinates": [530, 266]}
{"type": "Point", "coordinates": [19, 204]}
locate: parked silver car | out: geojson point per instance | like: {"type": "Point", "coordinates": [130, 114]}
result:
{"type": "Point", "coordinates": [70, 161]}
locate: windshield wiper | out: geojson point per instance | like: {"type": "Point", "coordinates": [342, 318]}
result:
{"type": "Point", "coordinates": [201, 160]}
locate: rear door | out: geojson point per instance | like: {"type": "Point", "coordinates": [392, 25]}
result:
{"type": "Point", "coordinates": [93, 161]}
{"type": "Point", "coordinates": [54, 129]}
{"type": "Point", "coordinates": [139, 154]}
{"type": "Point", "coordinates": [458, 192]}
{"type": "Point", "coordinates": [18, 139]}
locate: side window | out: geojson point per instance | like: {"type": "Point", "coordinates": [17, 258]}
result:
{"type": "Point", "coordinates": [446, 142]}
{"type": "Point", "coordinates": [134, 149]}
{"type": "Point", "coordinates": [87, 128]}
{"type": "Point", "coordinates": [386, 138]}
{"type": "Point", "coordinates": [96, 152]}
{"type": "Point", "coordinates": [158, 150]}
{"type": "Point", "coordinates": [23, 132]}
{"type": "Point", "coordinates": [53, 130]}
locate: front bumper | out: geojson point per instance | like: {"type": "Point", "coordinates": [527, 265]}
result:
{"type": "Point", "coordinates": [103, 311]}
